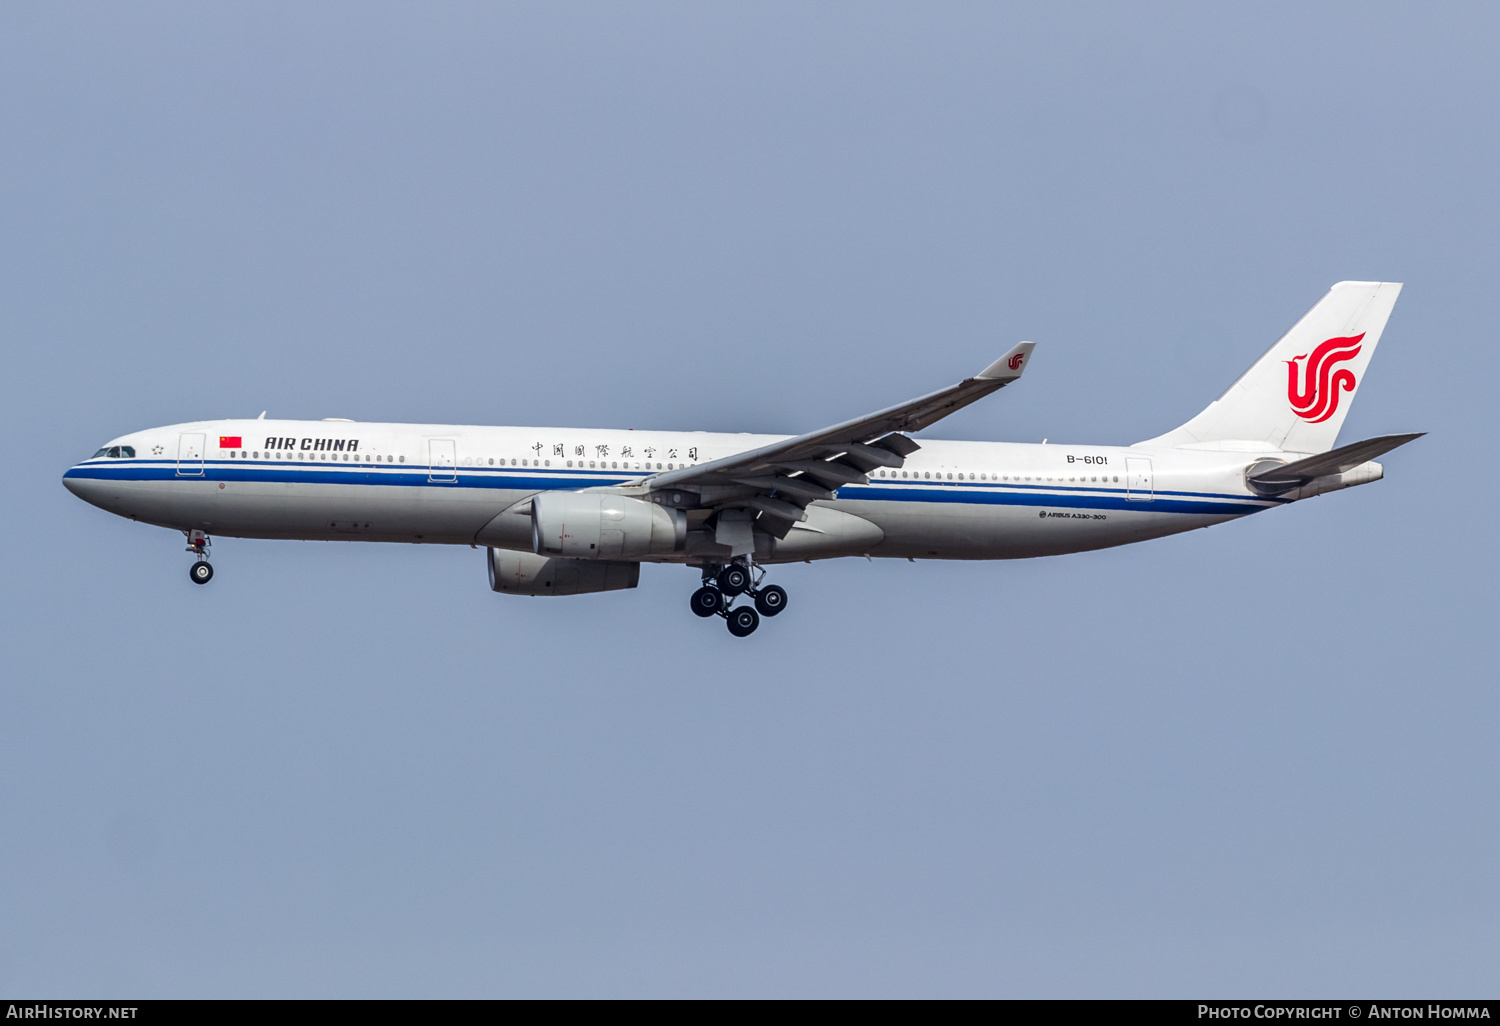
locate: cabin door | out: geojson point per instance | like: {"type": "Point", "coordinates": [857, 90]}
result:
{"type": "Point", "coordinates": [443, 466]}
{"type": "Point", "coordinates": [1140, 486]}
{"type": "Point", "coordinates": [190, 455]}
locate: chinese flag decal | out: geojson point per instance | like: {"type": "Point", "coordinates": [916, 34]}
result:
{"type": "Point", "coordinates": [229, 441]}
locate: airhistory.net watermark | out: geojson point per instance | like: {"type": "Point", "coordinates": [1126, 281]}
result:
{"type": "Point", "coordinates": [45, 1010]}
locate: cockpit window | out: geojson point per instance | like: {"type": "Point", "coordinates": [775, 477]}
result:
{"type": "Point", "coordinates": [101, 452]}
{"type": "Point", "coordinates": [128, 451]}
{"type": "Point", "coordinates": [115, 452]}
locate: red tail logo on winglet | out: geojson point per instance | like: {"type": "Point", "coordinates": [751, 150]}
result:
{"type": "Point", "coordinates": [1315, 397]}
{"type": "Point", "coordinates": [1014, 363]}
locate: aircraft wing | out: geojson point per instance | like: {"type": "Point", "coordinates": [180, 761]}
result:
{"type": "Point", "coordinates": [776, 482]}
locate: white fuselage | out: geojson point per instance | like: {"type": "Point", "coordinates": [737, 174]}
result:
{"type": "Point", "coordinates": [450, 484]}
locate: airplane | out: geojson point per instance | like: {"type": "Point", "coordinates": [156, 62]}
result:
{"type": "Point", "coordinates": [570, 511]}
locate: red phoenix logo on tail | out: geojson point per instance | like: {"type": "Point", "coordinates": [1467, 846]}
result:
{"type": "Point", "coordinates": [1316, 397]}
{"type": "Point", "coordinates": [1015, 361]}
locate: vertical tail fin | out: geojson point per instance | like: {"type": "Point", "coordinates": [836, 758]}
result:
{"type": "Point", "coordinates": [1296, 396]}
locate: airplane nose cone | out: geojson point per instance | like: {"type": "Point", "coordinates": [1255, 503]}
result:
{"type": "Point", "coordinates": [83, 487]}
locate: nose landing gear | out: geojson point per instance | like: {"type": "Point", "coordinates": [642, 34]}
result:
{"type": "Point", "coordinates": [202, 571]}
{"type": "Point", "coordinates": [723, 584]}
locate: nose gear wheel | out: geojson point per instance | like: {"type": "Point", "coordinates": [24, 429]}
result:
{"type": "Point", "coordinates": [200, 572]}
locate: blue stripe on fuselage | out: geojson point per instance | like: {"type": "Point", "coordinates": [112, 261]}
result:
{"type": "Point", "coordinates": [968, 492]}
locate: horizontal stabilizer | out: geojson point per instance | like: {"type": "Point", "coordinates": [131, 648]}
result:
{"type": "Point", "coordinates": [1335, 461]}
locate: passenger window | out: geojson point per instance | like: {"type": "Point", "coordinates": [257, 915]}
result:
{"type": "Point", "coordinates": [403, 459]}
{"type": "Point", "coordinates": [549, 463]}
{"type": "Point", "coordinates": [570, 463]}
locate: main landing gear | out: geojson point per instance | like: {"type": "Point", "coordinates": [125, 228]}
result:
{"type": "Point", "coordinates": [723, 584]}
{"type": "Point", "coordinates": [202, 571]}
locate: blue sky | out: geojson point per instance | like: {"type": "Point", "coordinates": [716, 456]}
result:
{"type": "Point", "coordinates": [1257, 759]}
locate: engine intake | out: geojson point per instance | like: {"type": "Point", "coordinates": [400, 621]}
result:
{"type": "Point", "coordinates": [598, 525]}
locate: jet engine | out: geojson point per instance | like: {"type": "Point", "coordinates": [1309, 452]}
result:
{"type": "Point", "coordinates": [597, 525]}
{"type": "Point", "coordinates": [522, 573]}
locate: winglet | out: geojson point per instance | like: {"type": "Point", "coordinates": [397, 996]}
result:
{"type": "Point", "coordinates": [1009, 366]}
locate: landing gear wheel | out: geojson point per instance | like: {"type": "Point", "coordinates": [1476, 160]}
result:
{"type": "Point", "coordinates": [770, 600]}
{"type": "Point", "coordinates": [734, 580]}
{"type": "Point", "coordinates": [743, 621]}
{"type": "Point", "coordinates": [707, 601]}
{"type": "Point", "coordinates": [201, 572]}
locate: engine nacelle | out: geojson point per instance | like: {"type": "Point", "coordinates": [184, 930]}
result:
{"type": "Point", "coordinates": [597, 525]}
{"type": "Point", "coordinates": [522, 573]}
